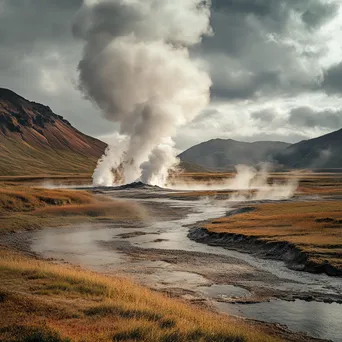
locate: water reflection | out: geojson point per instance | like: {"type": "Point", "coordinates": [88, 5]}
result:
{"type": "Point", "coordinates": [321, 320]}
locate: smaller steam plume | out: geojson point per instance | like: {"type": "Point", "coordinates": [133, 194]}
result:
{"type": "Point", "coordinates": [137, 69]}
{"type": "Point", "coordinates": [248, 184]}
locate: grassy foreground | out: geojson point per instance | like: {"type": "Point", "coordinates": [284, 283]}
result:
{"type": "Point", "coordinates": [44, 302]}
{"type": "Point", "coordinates": [314, 227]}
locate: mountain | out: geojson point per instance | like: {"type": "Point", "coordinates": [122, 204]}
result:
{"type": "Point", "coordinates": [191, 167]}
{"type": "Point", "coordinates": [322, 152]}
{"type": "Point", "coordinates": [221, 155]}
{"type": "Point", "coordinates": [34, 140]}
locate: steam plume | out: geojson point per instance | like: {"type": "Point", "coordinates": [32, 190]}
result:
{"type": "Point", "coordinates": [136, 67]}
{"type": "Point", "coordinates": [248, 184]}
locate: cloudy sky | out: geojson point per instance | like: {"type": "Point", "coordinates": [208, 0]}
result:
{"type": "Point", "coordinates": [276, 67]}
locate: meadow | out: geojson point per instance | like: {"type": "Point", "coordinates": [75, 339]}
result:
{"type": "Point", "coordinates": [23, 207]}
{"type": "Point", "coordinates": [314, 227]}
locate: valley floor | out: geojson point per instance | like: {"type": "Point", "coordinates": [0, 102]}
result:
{"type": "Point", "coordinates": [53, 301]}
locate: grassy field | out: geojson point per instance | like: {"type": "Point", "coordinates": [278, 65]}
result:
{"type": "Point", "coordinates": [44, 302]}
{"type": "Point", "coordinates": [28, 208]}
{"type": "Point", "coordinates": [314, 227]}
{"type": "Point", "coordinates": [309, 183]}
{"type": "Point", "coordinates": [39, 179]}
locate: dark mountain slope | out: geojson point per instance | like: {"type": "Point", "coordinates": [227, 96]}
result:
{"type": "Point", "coordinates": [322, 152]}
{"type": "Point", "coordinates": [220, 155]}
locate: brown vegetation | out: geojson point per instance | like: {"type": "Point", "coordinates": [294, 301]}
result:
{"type": "Point", "coordinates": [38, 179]}
{"type": "Point", "coordinates": [45, 302]}
{"type": "Point", "coordinates": [314, 227]}
{"type": "Point", "coordinates": [26, 208]}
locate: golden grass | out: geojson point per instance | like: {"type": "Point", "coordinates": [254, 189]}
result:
{"type": "Point", "coordinates": [14, 199]}
{"type": "Point", "coordinates": [42, 180]}
{"type": "Point", "coordinates": [28, 178]}
{"type": "Point", "coordinates": [26, 208]}
{"type": "Point", "coordinates": [45, 299]}
{"type": "Point", "coordinates": [315, 227]}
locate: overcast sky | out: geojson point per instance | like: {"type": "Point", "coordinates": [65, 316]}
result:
{"type": "Point", "coordinates": [276, 67]}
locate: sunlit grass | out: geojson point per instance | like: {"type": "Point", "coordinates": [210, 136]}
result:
{"type": "Point", "coordinates": [28, 208]}
{"type": "Point", "coordinates": [315, 227]}
{"type": "Point", "coordinates": [86, 306]}
{"type": "Point", "coordinates": [25, 199]}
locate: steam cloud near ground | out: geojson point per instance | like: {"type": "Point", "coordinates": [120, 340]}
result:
{"type": "Point", "coordinates": [248, 184]}
{"type": "Point", "coordinates": [136, 67]}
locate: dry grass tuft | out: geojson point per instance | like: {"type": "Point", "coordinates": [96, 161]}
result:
{"type": "Point", "coordinates": [26, 208]}
{"type": "Point", "coordinates": [25, 199]}
{"type": "Point", "coordinates": [67, 304]}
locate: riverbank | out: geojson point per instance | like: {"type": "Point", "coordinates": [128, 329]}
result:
{"type": "Point", "coordinates": [305, 235]}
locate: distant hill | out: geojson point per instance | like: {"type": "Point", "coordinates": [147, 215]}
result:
{"type": "Point", "coordinates": [222, 155]}
{"type": "Point", "coordinates": [34, 140]}
{"type": "Point", "coordinates": [324, 152]}
{"type": "Point", "coordinates": [191, 167]}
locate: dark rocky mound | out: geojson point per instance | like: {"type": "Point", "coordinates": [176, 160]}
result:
{"type": "Point", "coordinates": [136, 186]}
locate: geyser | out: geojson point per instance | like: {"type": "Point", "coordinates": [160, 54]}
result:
{"type": "Point", "coordinates": [136, 67]}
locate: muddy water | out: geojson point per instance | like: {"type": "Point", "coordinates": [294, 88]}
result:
{"type": "Point", "coordinates": [161, 256]}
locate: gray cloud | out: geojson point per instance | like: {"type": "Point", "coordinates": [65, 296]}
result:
{"type": "Point", "coordinates": [309, 118]}
{"type": "Point", "coordinates": [253, 52]}
{"type": "Point", "coordinates": [265, 115]}
{"type": "Point", "coordinates": [277, 14]}
{"type": "Point", "coordinates": [261, 50]}
{"type": "Point", "coordinates": [30, 22]}
{"type": "Point", "coordinates": [39, 56]}
{"type": "Point", "coordinates": [333, 79]}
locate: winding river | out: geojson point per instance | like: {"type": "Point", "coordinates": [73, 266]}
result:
{"type": "Point", "coordinates": [160, 255]}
